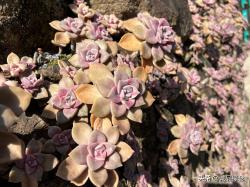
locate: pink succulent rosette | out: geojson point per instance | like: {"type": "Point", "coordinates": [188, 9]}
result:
{"type": "Point", "coordinates": [64, 100]}
{"type": "Point", "coordinates": [29, 169]}
{"type": "Point", "coordinates": [89, 52]}
{"type": "Point", "coordinates": [61, 140]}
{"type": "Point", "coordinates": [16, 66]}
{"type": "Point", "coordinates": [96, 31]}
{"type": "Point", "coordinates": [73, 26]}
{"type": "Point", "coordinates": [122, 94]}
{"type": "Point", "coordinates": [31, 83]}
{"type": "Point", "coordinates": [84, 12]}
{"type": "Point", "coordinates": [112, 23]}
{"type": "Point", "coordinates": [96, 157]}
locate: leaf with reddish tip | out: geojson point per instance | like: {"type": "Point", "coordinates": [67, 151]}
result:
{"type": "Point", "coordinates": [136, 27]}
{"type": "Point", "coordinates": [87, 93]}
{"type": "Point", "coordinates": [130, 43]}
{"type": "Point", "coordinates": [17, 99]}
{"type": "Point", "coordinates": [61, 39]}
{"type": "Point", "coordinates": [56, 25]}
{"type": "Point", "coordinates": [135, 115]}
{"type": "Point", "coordinates": [12, 58]}
{"type": "Point", "coordinates": [140, 74]}
{"type": "Point", "coordinates": [124, 150]}
{"type": "Point", "coordinates": [99, 177]}
{"type": "Point", "coordinates": [101, 107]}
{"type": "Point", "coordinates": [81, 133]}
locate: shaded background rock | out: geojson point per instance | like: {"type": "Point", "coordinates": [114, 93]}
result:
{"type": "Point", "coordinates": [24, 25]}
{"type": "Point", "coordinates": [176, 11]}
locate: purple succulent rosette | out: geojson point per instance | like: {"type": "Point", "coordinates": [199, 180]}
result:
{"type": "Point", "coordinates": [31, 83]}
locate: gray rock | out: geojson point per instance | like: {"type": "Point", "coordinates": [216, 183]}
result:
{"type": "Point", "coordinates": [27, 125]}
{"type": "Point", "coordinates": [176, 11]}
{"type": "Point", "coordinates": [24, 25]}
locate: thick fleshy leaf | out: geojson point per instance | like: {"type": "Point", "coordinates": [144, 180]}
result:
{"type": "Point", "coordinates": [183, 153]}
{"type": "Point", "coordinates": [79, 154]}
{"type": "Point", "coordinates": [42, 94]}
{"type": "Point", "coordinates": [81, 77]}
{"type": "Point", "coordinates": [49, 162]}
{"type": "Point", "coordinates": [101, 124]}
{"type": "Point", "coordinates": [174, 181]}
{"type": "Point", "coordinates": [97, 137]}
{"type": "Point", "coordinates": [74, 61]}
{"type": "Point", "coordinates": [122, 124]}
{"type": "Point", "coordinates": [81, 133]}
{"type": "Point", "coordinates": [17, 99]}
{"type": "Point", "coordinates": [12, 58]}
{"type": "Point", "coordinates": [140, 74]}
{"type": "Point", "coordinates": [113, 46]}
{"type": "Point", "coordinates": [49, 112]}
{"type": "Point", "coordinates": [113, 179]}
{"type": "Point", "coordinates": [104, 86]}
{"type": "Point", "coordinates": [130, 43]}
{"type": "Point", "coordinates": [124, 150]}
{"type": "Point", "coordinates": [56, 25]}
{"type": "Point", "coordinates": [99, 177]}
{"type": "Point", "coordinates": [61, 39]}
{"type": "Point", "coordinates": [93, 163]}
{"type": "Point", "coordinates": [7, 118]}
{"type": "Point", "coordinates": [61, 118]}
{"type": "Point", "coordinates": [99, 72]}
{"type": "Point", "coordinates": [149, 99]}
{"type": "Point", "coordinates": [29, 182]}
{"type": "Point", "coordinates": [136, 27]}
{"type": "Point", "coordinates": [157, 53]}
{"type": "Point", "coordinates": [12, 148]}
{"type": "Point", "coordinates": [135, 115]}
{"type": "Point", "coordinates": [34, 146]}
{"type": "Point", "coordinates": [146, 52]}
{"type": "Point", "coordinates": [113, 161]}
{"type": "Point", "coordinates": [70, 170]}
{"type": "Point", "coordinates": [112, 134]}
{"type": "Point", "coordinates": [87, 93]}
{"type": "Point", "coordinates": [118, 110]}
{"type": "Point", "coordinates": [16, 175]}
{"type": "Point", "coordinates": [70, 112]}
{"type": "Point", "coordinates": [180, 119]}
{"type": "Point", "coordinates": [173, 147]}
{"type": "Point", "coordinates": [147, 64]}
{"type": "Point", "coordinates": [176, 131]}
{"type": "Point", "coordinates": [120, 70]}
{"type": "Point", "coordinates": [53, 89]}
{"type": "Point", "coordinates": [82, 179]}
{"type": "Point", "coordinates": [66, 82]}
{"type": "Point", "coordinates": [101, 107]}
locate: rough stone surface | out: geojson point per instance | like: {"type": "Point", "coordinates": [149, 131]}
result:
{"type": "Point", "coordinates": [176, 11]}
{"type": "Point", "coordinates": [27, 125]}
{"type": "Point", "coordinates": [24, 25]}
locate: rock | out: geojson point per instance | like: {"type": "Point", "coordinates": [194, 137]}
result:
{"type": "Point", "coordinates": [24, 25]}
{"type": "Point", "coordinates": [176, 11]}
{"type": "Point", "coordinates": [27, 125]}
{"type": "Point", "coordinates": [51, 72]}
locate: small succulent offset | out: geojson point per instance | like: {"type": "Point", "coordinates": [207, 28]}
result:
{"type": "Point", "coordinates": [190, 136]}
{"type": "Point", "coordinates": [29, 169]}
{"type": "Point", "coordinates": [61, 140]}
{"type": "Point", "coordinates": [96, 31]}
{"type": "Point", "coordinates": [152, 36]}
{"type": "Point", "coordinates": [96, 157]}
{"type": "Point", "coordinates": [122, 94]}
{"type": "Point", "coordinates": [16, 66]}
{"type": "Point", "coordinates": [31, 83]}
{"type": "Point", "coordinates": [64, 100]}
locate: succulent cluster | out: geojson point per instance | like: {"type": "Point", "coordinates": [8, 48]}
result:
{"type": "Point", "coordinates": [131, 95]}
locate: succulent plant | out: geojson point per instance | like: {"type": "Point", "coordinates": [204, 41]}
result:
{"type": "Point", "coordinates": [29, 169]}
{"type": "Point", "coordinates": [89, 52]}
{"type": "Point", "coordinates": [121, 94]}
{"type": "Point", "coordinates": [96, 157]}
{"type": "Point", "coordinates": [96, 31]}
